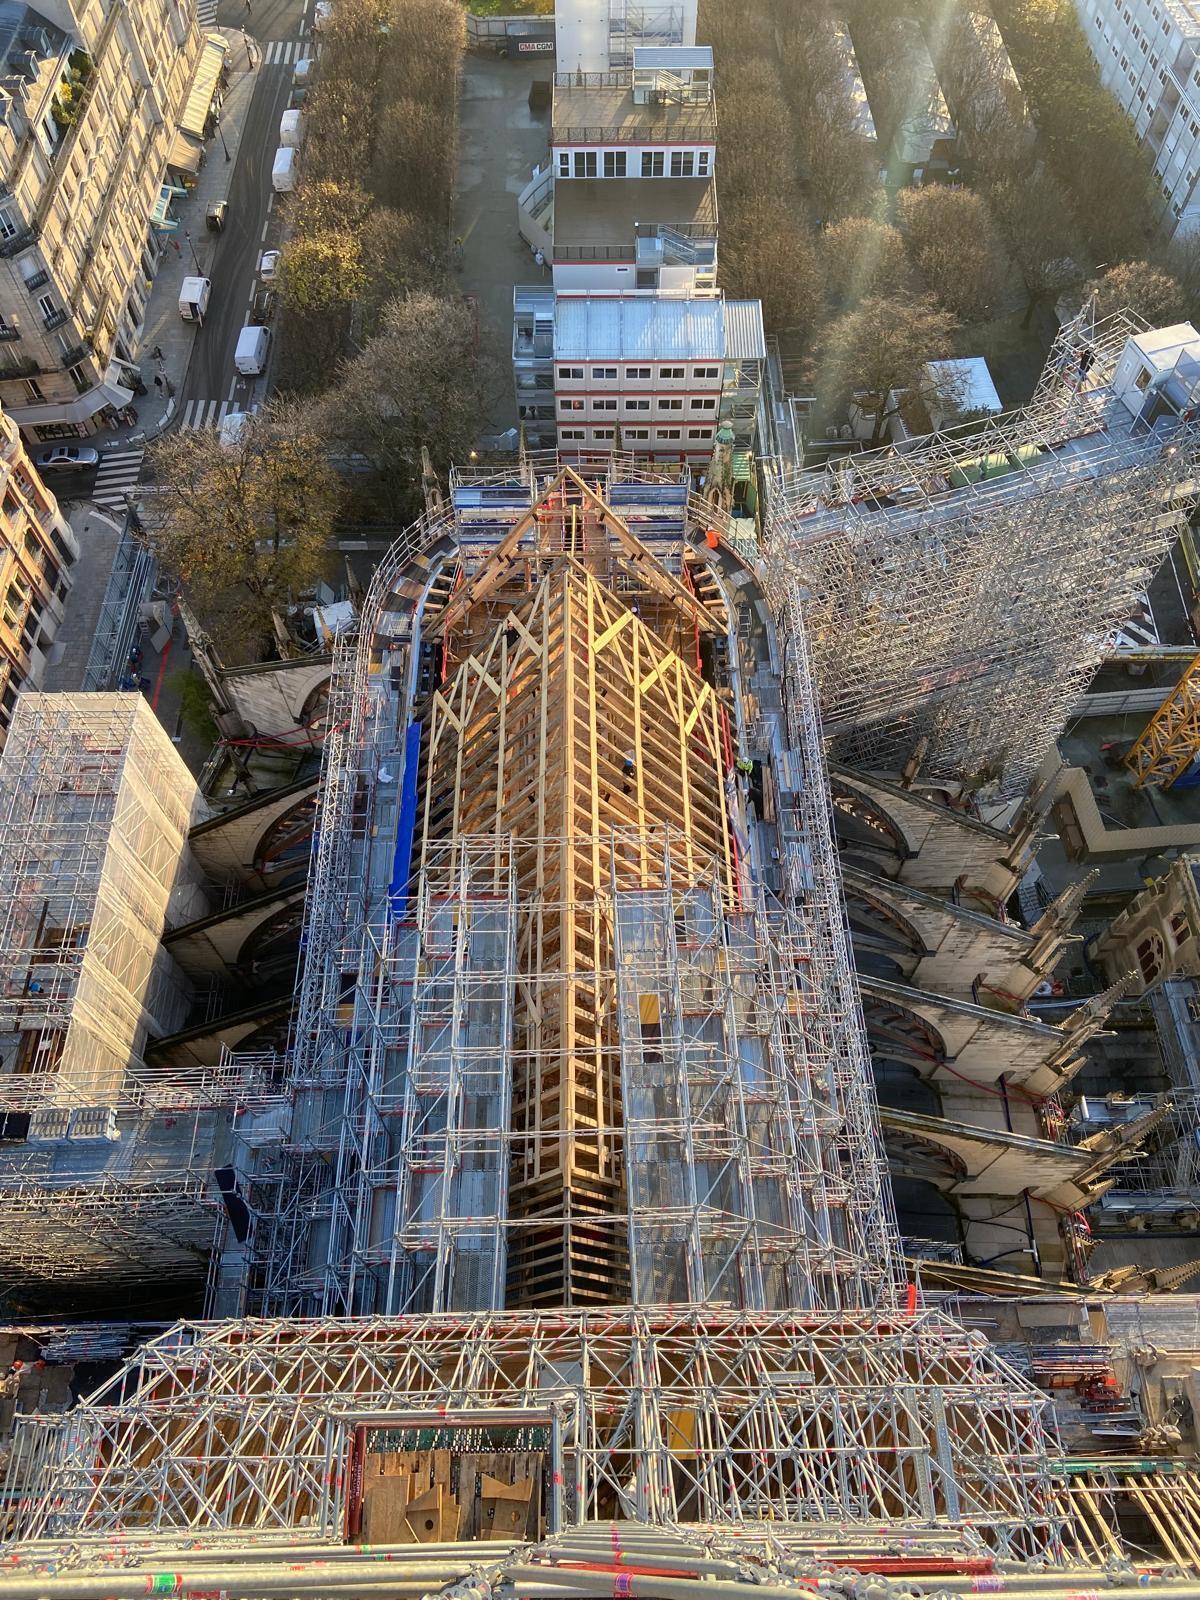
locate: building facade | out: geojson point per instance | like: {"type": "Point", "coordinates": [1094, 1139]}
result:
{"type": "Point", "coordinates": [91, 98]}
{"type": "Point", "coordinates": [649, 375]}
{"type": "Point", "coordinates": [631, 345]}
{"type": "Point", "coordinates": [1148, 53]}
{"type": "Point", "coordinates": [38, 551]}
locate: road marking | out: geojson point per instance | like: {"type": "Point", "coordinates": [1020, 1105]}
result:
{"type": "Point", "coordinates": [199, 414]}
{"type": "Point", "coordinates": [282, 52]}
{"type": "Point", "coordinates": [116, 474]}
{"type": "Point", "coordinates": [262, 238]}
{"type": "Point", "coordinates": [232, 391]}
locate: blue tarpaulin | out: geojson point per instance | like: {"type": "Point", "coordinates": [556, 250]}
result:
{"type": "Point", "coordinates": [406, 823]}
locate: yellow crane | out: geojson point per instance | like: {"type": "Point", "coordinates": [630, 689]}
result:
{"type": "Point", "coordinates": [1170, 741]}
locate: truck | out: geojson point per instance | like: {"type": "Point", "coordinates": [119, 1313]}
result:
{"type": "Point", "coordinates": [291, 127]}
{"type": "Point", "coordinates": [233, 425]}
{"type": "Point", "coordinates": [283, 170]}
{"type": "Point", "coordinates": [253, 346]}
{"type": "Point", "coordinates": [193, 298]}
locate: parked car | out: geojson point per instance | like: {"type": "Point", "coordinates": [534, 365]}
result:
{"type": "Point", "coordinates": [214, 217]}
{"type": "Point", "coordinates": [263, 308]}
{"type": "Point", "coordinates": [66, 457]}
{"type": "Point", "coordinates": [268, 267]}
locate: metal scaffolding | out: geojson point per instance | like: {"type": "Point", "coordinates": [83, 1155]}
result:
{"type": "Point", "coordinates": [219, 1430]}
{"type": "Point", "coordinates": [960, 591]}
{"type": "Point", "coordinates": [576, 1186]}
{"type": "Point", "coordinates": [105, 1166]}
{"type": "Point", "coordinates": [582, 1042]}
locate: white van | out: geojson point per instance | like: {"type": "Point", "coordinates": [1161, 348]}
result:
{"type": "Point", "coordinates": [291, 126]}
{"type": "Point", "coordinates": [253, 347]}
{"type": "Point", "coordinates": [303, 72]}
{"type": "Point", "coordinates": [283, 170]}
{"type": "Point", "coordinates": [193, 298]}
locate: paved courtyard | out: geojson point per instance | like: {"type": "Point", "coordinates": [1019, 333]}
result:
{"type": "Point", "coordinates": [500, 142]}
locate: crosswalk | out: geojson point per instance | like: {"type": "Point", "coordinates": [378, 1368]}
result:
{"type": "Point", "coordinates": [205, 413]}
{"type": "Point", "coordinates": [284, 52]}
{"type": "Point", "coordinates": [115, 476]}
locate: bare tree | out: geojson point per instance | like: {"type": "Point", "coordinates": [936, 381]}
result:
{"type": "Point", "coordinates": [246, 522]}
{"type": "Point", "coordinates": [1033, 220]}
{"type": "Point", "coordinates": [1088, 142]}
{"type": "Point", "coordinates": [861, 257]}
{"type": "Point", "coordinates": [950, 242]}
{"type": "Point", "coordinates": [886, 44]}
{"type": "Point", "coordinates": [878, 355]}
{"type": "Point", "coordinates": [400, 253]}
{"type": "Point", "coordinates": [418, 381]}
{"type": "Point", "coordinates": [1138, 286]}
{"type": "Point", "coordinates": [769, 256]}
{"type": "Point", "coordinates": [757, 155]}
{"type": "Point", "coordinates": [838, 159]}
{"type": "Point", "coordinates": [414, 157]}
{"type": "Point", "coordinates": [981, 89]}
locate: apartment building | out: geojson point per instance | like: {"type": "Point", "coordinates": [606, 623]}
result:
{"type": "Point", "coordinates": [37, 553]}
{"type": "Point", "coordinates": [631, 345]}
{"type": "Point", "coordinates": [1148, 53]}
{"type": "Point", "coordinates": [91, 92]}
{"type": "Point", "coordinates": [601, 35]}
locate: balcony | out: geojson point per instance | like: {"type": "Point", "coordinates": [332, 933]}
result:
{"type": "Point", "coordinates": [8, 335]}
{"type": "Point", "coordinates": [76, 354]}
{"type": "Point", "coordinates": [38, 281]}
{"type": "Point", "coordinates": [55, 320]}
{"type": "Point", "coordinates": [18, 242]}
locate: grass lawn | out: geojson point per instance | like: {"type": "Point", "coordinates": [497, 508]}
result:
{"type": "Point", "coordinates": [1015, 355]}
{"type": "Point", "coordinates": [510, 8]}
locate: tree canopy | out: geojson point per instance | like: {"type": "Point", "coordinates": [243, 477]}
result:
{"type": "Point", "coordinates": [418, 381]}
{"type": "Point", "coordinates": [246, 523]}
{"type": "Point", "coordinates": [950, 241]}
{"type": "Point", "coordinates": [876, 354]}
{"type": "Point", "coordinates": [1149, 291]}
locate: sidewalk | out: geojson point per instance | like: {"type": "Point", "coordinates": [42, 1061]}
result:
{"type": "Point", "coordinates": [165, 329]}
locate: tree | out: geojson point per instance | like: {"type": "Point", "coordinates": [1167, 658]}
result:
{"type": "Point", "coordinates": [1089, 143]}
{"type": "Point", "coordinates": [322, 273]}
{"type": "Point", "coordinates": [757, 157]}
{"type": "Point", "coordinates": [877, 355]}
{"type": "Point", "coordinates": [418, 381]}
{"type": "Point", "coordinates": [400, 253]}
{"type": "Point", "coordinates": [1138, 286]}
{"type": "Point", "coordinates": [1032, 220]}
{"type": "Point", "coordinates": [245, 524]}
{"type": "Point", "coordinates": [414, 157]}
{"type": "Point", "coordinates": [837, 158]}
{"type": "Point", "coordinates": [768, 256]}
{"type": "Point", "coordinates": [888, 54]}
{"type": "Point", "coordinates": [949, 238]}
{"type": "Point", "coordinates": [861, 257]}
{"type": "Point", "coordinates": [981, 90]}
{"type": "Point", "coordinates": [327, 206]}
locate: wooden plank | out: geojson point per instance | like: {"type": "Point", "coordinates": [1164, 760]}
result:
{"type": "Point", "coordinates": [432, 1518]}
{"type": "Point", "coordinates": [385, 1502]}
{"type": "Point", "coordinates": [505, 1507]}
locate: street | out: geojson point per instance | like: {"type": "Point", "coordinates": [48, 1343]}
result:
{"type": "Point", "coordinates": [231, 258]}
